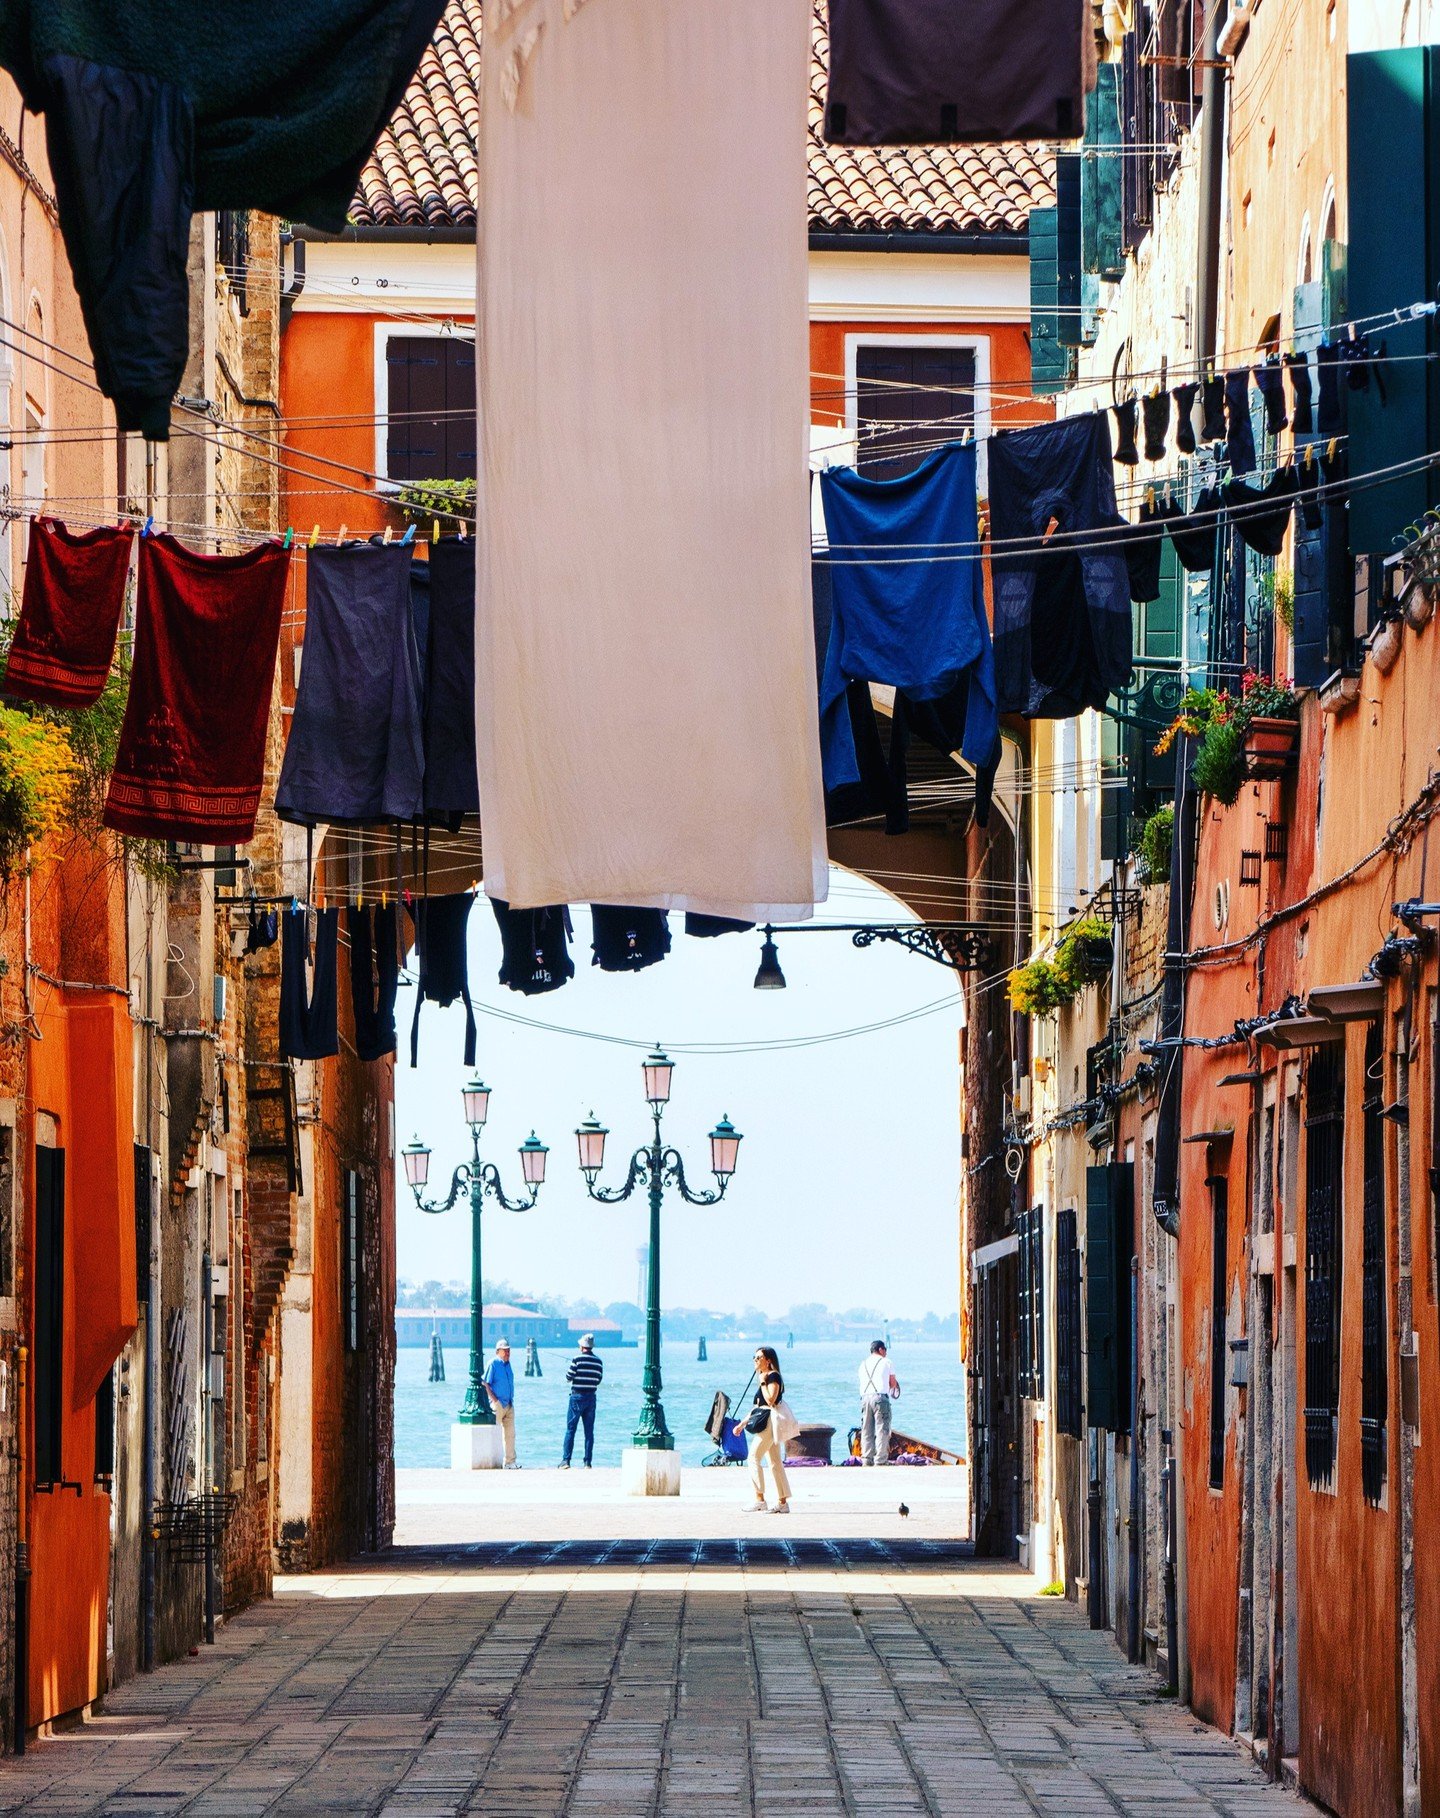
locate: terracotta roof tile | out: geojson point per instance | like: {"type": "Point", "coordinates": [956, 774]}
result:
{"type": "Point", "coordinates": [423, 173]}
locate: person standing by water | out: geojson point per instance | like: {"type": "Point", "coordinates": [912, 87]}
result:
{"type": "Point", "coordinates": [879, 1386]}
{"type": "Point", "coordinates": [500, 1387]}
{"type": "Point", "coordinates": [768, 1444]}
{"type": "Point", "coordinates": [584, 1376]}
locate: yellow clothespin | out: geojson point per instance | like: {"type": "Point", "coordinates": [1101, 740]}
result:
{"type": "Point", "coordinates": [314, 536]}
{"type": "Point", "coordinates": [1330, 451]}
{"type": "Point", "coordinates": [1150, 498]}
{"type": "Point", "coordinates": [1309, 456]}
{"type": "Point", "coordinates": [434, 530]}
{"type": "Point", "coordinates": [360, 896]}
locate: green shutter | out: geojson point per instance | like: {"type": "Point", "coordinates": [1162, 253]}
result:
{"type": "Point", "coordinates": [1103, 253]}
{"type": "Point", "coordinates": [1049, 361]}
{"type": "Point", "coordinates": [1070, 293]}
{"type": "Point", "coordinates": [1100, 1334]}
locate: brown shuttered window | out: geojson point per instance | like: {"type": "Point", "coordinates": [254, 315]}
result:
{"type": "Point", "coordinates": [1324, 1242]}
{"type": "Point", "coordinates": [909, 402]}
{"type": "Point", "coordinates": [1374, 1324]}
{"type": "Point", "coordinates": [430, 382]}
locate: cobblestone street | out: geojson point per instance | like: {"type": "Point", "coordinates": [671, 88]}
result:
{"type": "Point", "coordinates": [617, 1679]}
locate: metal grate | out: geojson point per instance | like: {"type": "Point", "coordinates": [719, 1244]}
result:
{"type": "Point", "coordinates": [194, 1526]}
{"type": "Point", "coordinates": [1069, 1409]}
{"type": "Point", "coordinates": [1250, 870]}
{"type": "Point", "coordinates": [1324, 1233]}
{"type": "Point", "coordinates": [1277, 842]}
{"type": "Point", "coordinates": [1374, 1382]}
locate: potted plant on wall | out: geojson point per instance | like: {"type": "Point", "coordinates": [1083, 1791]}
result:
{"type": "Point", "coordinates": [1269, 715]}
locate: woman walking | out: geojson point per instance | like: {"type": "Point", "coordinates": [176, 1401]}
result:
{"type": "Point", "coordinates": [769, 1425]}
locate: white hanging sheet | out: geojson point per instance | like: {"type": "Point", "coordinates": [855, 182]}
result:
{"type": "Point", "coordinates": [645, 678]}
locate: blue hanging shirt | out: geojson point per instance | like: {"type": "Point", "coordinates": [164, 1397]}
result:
{"type": "Point", "coordinates": [908, 598]}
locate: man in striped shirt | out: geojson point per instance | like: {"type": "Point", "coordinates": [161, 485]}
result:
{"type": "Point", "coordinates": [584, 1377]}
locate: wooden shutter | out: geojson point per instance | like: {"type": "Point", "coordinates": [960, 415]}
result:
{"type": "Point", "coordinates": [1069, 237]}
{"type": "Point", "coordinates": [1374, 1315]}
{"type": "Point", "coordinates": [431, 406]}
{"type": "Point", "coordinates": [1109, 1239]}
{"type": "Point", "coordinates": [1049, 359]}
{"type": "Point", "coordinates": [49, 1365]}
{"type": "Point", "coordinates": [1324, 1252]}
{"type": "Point", "coordinates": [1219, 1283]}
{"type": "Point", "coordinates": [1069, 1410]}
{"type": "Point", "coordinates": [1102, 249]}
{"type": "Point", "coordinates": [910, 400]}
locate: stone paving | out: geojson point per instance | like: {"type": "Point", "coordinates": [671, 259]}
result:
{"type": "Point", "coordinates": [620, 1680]}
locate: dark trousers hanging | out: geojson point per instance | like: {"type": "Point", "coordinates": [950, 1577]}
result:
{"type": "Point", "coordinates": [374, 976]}
{"type": "Point", "coordinates": [309, 1019]}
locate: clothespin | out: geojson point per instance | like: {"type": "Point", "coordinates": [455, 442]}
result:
{"type": "Point", "coordinates": [389, 532]}
{"type": "Point", "coordinates": [1309, 455]}
{"type": "Point", "coordinates": [314, 536]}
{"type": "Point", "coordinates": [148, 527]}
{"type": "Point", "coordinates": [360, 895]}
{"type": "Point", "coordinates": [341, 538]}
{"type": "Point", "coordinates": [408, 538]}
{"type": "Point", "coordinates": [289, 535]}
{"type": "Point", "coordinates": [462, 530]}
{"type": "Point", "coordinates": [1150, 498]}
{"type": "Point", "coordinates": [434, 530]}
{"type": "Point", "coordinates": [1330, 451]}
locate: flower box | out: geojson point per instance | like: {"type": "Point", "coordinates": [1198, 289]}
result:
{"type": "Point", "coordinates": [1270, 746]}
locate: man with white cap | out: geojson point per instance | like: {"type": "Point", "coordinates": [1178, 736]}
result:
{"type": "Point", "coordinates": [584, 1377]}
{"type": "Point", "coordinates": [500, 1387]}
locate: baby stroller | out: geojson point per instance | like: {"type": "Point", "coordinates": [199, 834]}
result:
{"type": "Point", "coordinates": [721, 1427]}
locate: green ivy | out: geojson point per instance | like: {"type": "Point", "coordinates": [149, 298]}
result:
{"type": "Point", "coordinates": [1157, 838]}
{"type": "Point", "coordinates": [451, 502]}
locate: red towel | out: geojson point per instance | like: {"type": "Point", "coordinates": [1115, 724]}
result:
{"type": "Point", "coordinates": [192, 749]}
{"type": "Point", "coordinates": [69, 614]}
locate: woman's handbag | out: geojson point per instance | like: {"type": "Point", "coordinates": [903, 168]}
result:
{"type": "Point", "coordinates": [757, 1420]}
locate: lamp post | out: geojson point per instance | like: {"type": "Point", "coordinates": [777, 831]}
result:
{"type": "Point", "coordinates": [655, 1167]}
{"type": "Point", "coordinates": [472, 1445]}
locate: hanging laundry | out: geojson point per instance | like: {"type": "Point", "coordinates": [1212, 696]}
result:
{"type": "Point", "coordinates": [857, 778]}
{"type": "Point", "coordinates": [1302, 415]}
{"type": "Point", "coordinates": [535, 944]}
{"type": "Point", "coordinates": [191, 108]}
{"type": "Point", "coordinates": [711, 927]}
{"type": "Point", "coordinates": [1239, 431]}
{"type": "Point", "coordinates": [1155, 410]}
{"type": "Point", "coordinates": [1184, 396]}
{"type": "Point", "coordinates": [355, 752]}
{"type": "Point", "coordinates": [909, 597]}
{"type": "Point", "coordinates": [1261, 515]}
{"type": "Point", "coordinates": [642, 643]}
{"type": "Point", "coordinates": [262, 930]}
{"type": "Point", "coordinates": [1356, 357]}
{"type": "Point", "coordinates": [1143, 544]}
{"type": "Point", "coordinates": [1194, 536]}
{"type": "Point", "coordinates": [192, 746]}
{"type": "Point", "coordinates": [1126, 453]}
{"type": "Point", "coordinates": [70, 611]}
{"type": "Point", "coordinates": [925, 72]}
{"type": "Point", "coordinates": [1329, 417]}
{"type": "Point", "coordinates": [420, 621]}
{"type": "Point", "coordinates": [1319, 478]}
{"type": "Point", "coordinates": [440, 924]}
{"type": "Point", "coordinates": [627, 939]}
{"type": "Point", "coordinates": [1270, 383]}
{"type": "Point", "coordinates": [374, 976]}
{"type": "Point", "coordinates": [1062, 591]}
{"type": "Point", "coordinates": [941, 725]}
{"type": "Point", "coordinates": [309, 1004]}
{"type": "Point", "coordinates": [451, 789]}
{"type": "Point", "coordinates": [1212, 403]}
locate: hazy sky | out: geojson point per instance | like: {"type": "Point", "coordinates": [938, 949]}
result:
{"type": "Point", "coordinates": [848, 1176]}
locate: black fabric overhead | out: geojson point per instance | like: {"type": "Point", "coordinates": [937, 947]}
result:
{"type": "Point", "coordinates": [1155, 410]}
{"type": "Point", "coordinates": [1194, 535]}
{"type": "Point", "coordinates": [1261, 515]}
{"type": "Point", "coordinates": [440, 924]}
{"type": "Point", "coordinates": [374, 976]}
{"type": "Point", "coordinates": [309, 1011]}
{"type": "Point", "coordinates": [929, 72]}
{"type": "Point", "coordinates": [1063, 635]}
{"type": "Point", "coordinates": [940, 724]}
{"type": "Point", "coordinates": [451, 785]}
{"type": "Point", "coordinates": [628, 940]}
{"type": "Point", "coordinates": [161, 108]}
{"type": "Point", "coordinates": [535, 948]}
{"type": "Point", "coordinates": [1185, 417]}
{"type": "Point", "coordinates": [711, 927]}
{"type": "Point", "coordinates": [1302, 413]}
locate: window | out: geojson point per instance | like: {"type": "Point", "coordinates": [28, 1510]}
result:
{"type": "Point", "coordinates": [105, 1428]}
{"type": "Point", "coordinates": [1069, 1411]}
{"type": "Point", "coordinates": [232, 252]}
{"type": "Point", "coordinates": [1324, 1235]}
{"type": "Point", "coordinates": [908, 401]}
{"type": "Point", "coordinates": [430, 407]}
{"type": "Point", "coordinates": [49, 1315]}
{"type": "Point", "coordinates": [7, 1210]}
{"type": "Point", "coordinates": [1374, 1326]}
{"type": "Point", "coordinates": [1031, 1258]}
{"type": "Point", "coordinates": [32, 458]}
{"type": "Point", "coordinates": [1219, 1280]}
{"type": "Point", "coordinates": [351, 1252]}
{"type": "Point", "coordinates": [1109, 1249]}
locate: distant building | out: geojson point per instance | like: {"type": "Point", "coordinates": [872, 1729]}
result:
{"type": "Point", "coordinates": [518, 1322]}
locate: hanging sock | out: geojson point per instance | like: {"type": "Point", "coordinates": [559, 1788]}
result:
{"type": "Point", "coordinates": [1329, 418]}
{"type": "Point", "coordinates": [1212, 401]}
{"type": "Point", "coordinates": [711, 927]}
{"type": "Point", "coordinates": [1195, 537]}
{"type": "Point", "coordinates": [309, 1021]}
{"type": "Point", "coordinates": [1270, 382]}
{"type": "Point", "coordinates": [1239, 435]}
{"type": "Point", "coordinates": [628, 940]}
{"type": "Point", "coordinates": [1302, 414]}
{"type": "Point", "coordinates": [535, 948]}
{"type": "Point", "coordinates": [440, 924]}
{"type": "Point", "coordinates": [1261, 515]}
{"type": "Point", "coordinates": [374, 977]}
{"type": "Point", "coordinates": [1126, 452]}
{"type": "Point", "coordinates": [1144, 543]}
{"type": "Point", "coordinates": [1156, 413]}
{"type": "Point", "coordinates": [192, 747]}
{"type": "Point", "coordinates": [1356, 355]}
{"type": "Point", "coordinates": [69, 614]}
{"type": "Point", "coordinates": [1184, 396]}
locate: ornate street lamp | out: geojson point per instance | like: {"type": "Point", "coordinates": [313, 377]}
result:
{"type": "Point", "coordinates": [478, 1178]}
{"type": "Point", "coordinates": [656, 1167]}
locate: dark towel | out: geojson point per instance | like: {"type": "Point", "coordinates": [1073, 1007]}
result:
{"type": "Point", "coordinates": [940, 725]}
{"type": "Point", "coordinates": [1261, 515]}
{"type": "Point", "coordinates": [535, 945]}
{"type": "Point", "coordinates": [355, 751]}
{"type": "Point", "coordinates": [1239, 431]}
{"type": "Point", "coordinates": [710, 927]}
{"type": "Point", "coordinates": [1302, 414]}
{"type": "Point", "coordinates": [1194, 536]}
{"type": "Point", "coordinates": [192, 746]}
{"type": "Point", "coordinates": [440, 924]}
{"type": "Point", "coordinates": [374, 976]}
{"type": "Point", "coordinates": [1185, 417]}
{"type": "Point", "coordinates": [309, 1021]}
{"type": "Point", "coordinates": [1212, 399]}
{"type": "Point", "coordinates": [1062, 600]}
{"type": "Point", "coordinates": [160, 109]}
{"type": "Point", "coordinates": [917, 72]}
{"type": "Point", "coordinates": [451, 785]}
{"type": "Point", "coordinates": [1155, 410]}
{"type": "Point", "coordinates": [628, 940]}
{"type": "Point", "coordinates": [1329, 418]}
{"type": "Point", "coordinates": [1270, 382]}
{"type": "Point", "coordinates": [69, 614]}
{"type": "Point", "coordinates": [1126, 452]}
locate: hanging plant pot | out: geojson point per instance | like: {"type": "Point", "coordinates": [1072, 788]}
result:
{"type": "Point", "coordinates": [1385, 644]}
{"type": "Point", "coordinates": [1270, 746]}
{"type": "Point", "coordinates": [1094, 956]}
{"type": "Point", "coordinates": [1420, 604]}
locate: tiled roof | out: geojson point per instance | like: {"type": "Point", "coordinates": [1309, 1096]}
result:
{"type": "Point", "coordinates": [423, 170]}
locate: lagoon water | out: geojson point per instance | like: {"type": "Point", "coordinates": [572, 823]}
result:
{"type": "Point", "coordinates": [820, 1385]}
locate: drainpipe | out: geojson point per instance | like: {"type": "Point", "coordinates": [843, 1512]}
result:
{"type": "Point", "coordinates": [1212, 188]}
{"type": "Point", "coordinates": [1409, 1430]}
